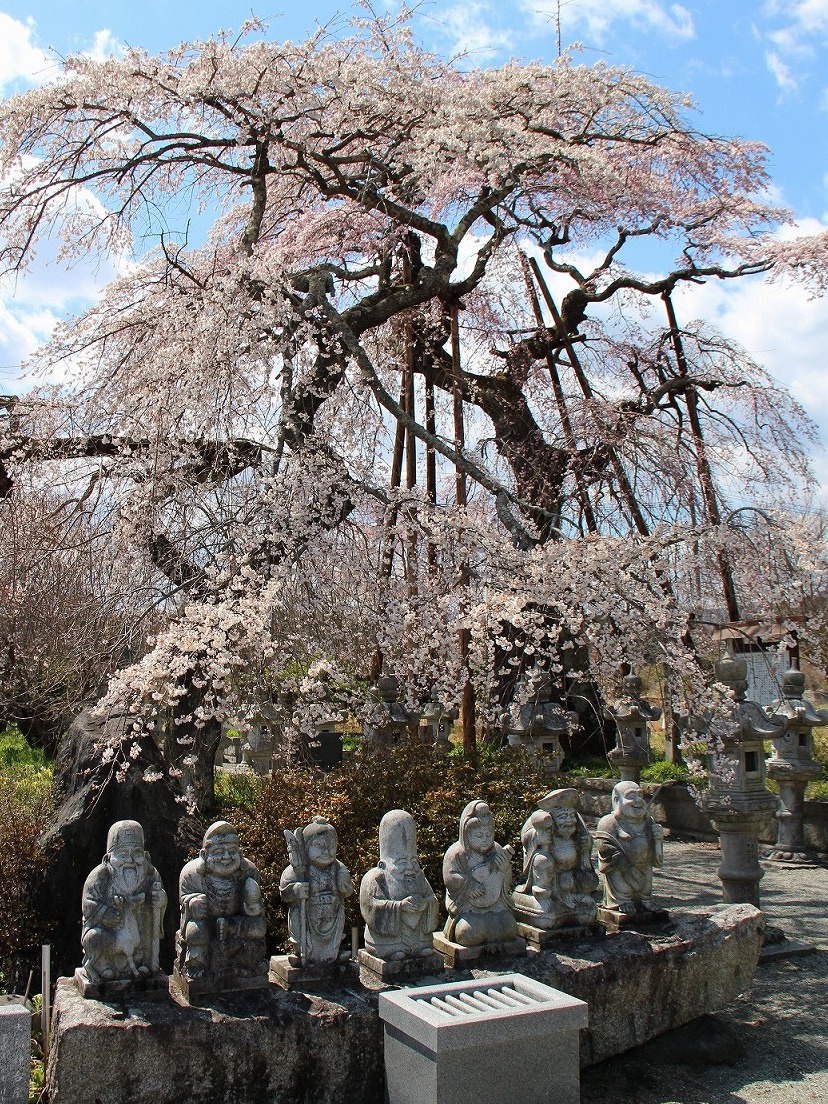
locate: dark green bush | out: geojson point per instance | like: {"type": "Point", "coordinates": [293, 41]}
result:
{"type": "Point", "coordinates": [433, 788]}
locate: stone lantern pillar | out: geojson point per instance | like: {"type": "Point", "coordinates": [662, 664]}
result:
{"type": "Point", "coordinates": [737, 800]}
{"type": "Point", "coordinates": [793, 766]}
{"type": "Point", "coordinates": [390, 721]}
{"type": "Point", "coordinates": [632, 714]}
{"type": "Point", "coordinates": [538, 725]}
{"type": "Point", "coordinates": [436, 723]}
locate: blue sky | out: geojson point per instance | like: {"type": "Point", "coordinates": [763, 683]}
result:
{"type": "Point", "coordinates": [756, 68]}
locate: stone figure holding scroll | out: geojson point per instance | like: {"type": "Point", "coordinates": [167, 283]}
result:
{"type": "Point", "coordinates": [558, 877]}
{"type": "Point", "coordinates": [221, 941]}
{"type": "Point", "coordinates": [123, 912]}
{"type": "Point", "coordinates": [630, 844]}
{"type": "Point", "coordinates": [314, 886]}
{"type": "Point", "coordinates": [478, 876]}
{"type": "Point", "coordinates": [397, 903]}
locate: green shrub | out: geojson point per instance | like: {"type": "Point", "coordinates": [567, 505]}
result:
{"type": "Point", "coordinates": [355, 796]}
{"type": "Point", "coordinates": [237, 791]}
{"type": "Point", "coordinates": [26, 808]}
{"type": "Point", "coordinates": [664, 771]}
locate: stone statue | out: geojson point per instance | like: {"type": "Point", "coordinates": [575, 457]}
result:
{"type": "Point", "coordinates": [558, 876]}
{"type": "Point", "coordinates": [221, 942]}
{"type": "Point", "coordinates": [123, 913]}
{"type": "Point", "coordinates": [315, 886]}
{"type": "Point", "coordinates": [397, 903]}
{"type": "Point", "coordinates": [630, 844]}
{"type": "Point", "coordinates": [478, 876]}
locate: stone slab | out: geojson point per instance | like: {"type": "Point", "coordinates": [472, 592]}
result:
{"type": "Point", "coordinates": [15, 1053]}
{"type": "Point", "coordinates": [614, 921]}
{"type": "Point", "coordinates": [785, 948]}
{"type": "Point", "coordinates": [155, 987]}
{"type": "Point", "coordinates": [287, 976]}
{"type": "Point", "coordinates": [541, 939]}
{"type": "Point", "coordinates": [400, 969]}
{"type": "Point", "coordinates": [325, 1047]}
{"type": "Point", "coordinates": [456, 956]}
{"type": "Point", "coordinates": [187, 990]}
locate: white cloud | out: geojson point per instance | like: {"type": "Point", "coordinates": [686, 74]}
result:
{"type": "Point", "coordinates": [781, 72]}
{"type": "Point", "coordinates": [598, 17]}
{"type": "Point", "coordinates": [21, 61]}
{"type": "Point", "coordinates": [470, 28]}
{"type": "Point", "coordinates": [105, 46]}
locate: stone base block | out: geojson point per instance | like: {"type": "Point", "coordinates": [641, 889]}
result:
{"type": "Point", "coordinates": [614, 921]}
{"type": "Point", "coordinates": [471, 1043]}
{"type": "Point", "coordinates": [15, 1052]}
{"type": "Point", "coordinates": [395, 971]}
{"type": "Point", "coordinates": [154, 987]}
{"type": "Point", "coordinates": [187, 990]}
{"type": "Point", "coordinates": [284, 974]}
{"type": "Point", "coordinates": [455, 956]}
{"type": "Point", "coordinates": [249, 1048]}
{"type": "Point", "coordinates": [541, 939]}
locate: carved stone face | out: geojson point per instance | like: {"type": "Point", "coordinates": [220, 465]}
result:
{"type": "Point", "coordinates": [322, 849]}
{"type": "Point", "coordinates": [480, 834]}
{"type": "Point", "coordinates": [129, 863]}
{"type": "Point", "coordinates": [222, 855]}
{"type": "Point", "coordinates": [631, 804]}
{"type": "Point", "coordinates": [566, 821]}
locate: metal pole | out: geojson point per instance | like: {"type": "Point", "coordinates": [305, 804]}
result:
{"type": "Point", "coordinates": [46, 991]}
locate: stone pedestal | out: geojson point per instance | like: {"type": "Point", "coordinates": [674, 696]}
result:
{"type": "Point", "coordinates": [542, 939]}
{"type": "Point", "coordinates": [195, 990]}
{"type": "Point", "coordinates": [380, 969]}
{"type": "Point", "coordinates": [455, 956]}
{"type": "Point", "coordinates": [790, 844]}
{"type": "Point", "coordinates": [289, 976]}
{"type": "Point", "coordinates": [739, 872]}
{"type": "Point", "coordinates": [473, 1043]}
{"type": "Point", "coordinates": [614, 921]}
{"type": "Point", "coordinates": [15, 1053]}
{"type": "Point", "coordinates": [154, 987]}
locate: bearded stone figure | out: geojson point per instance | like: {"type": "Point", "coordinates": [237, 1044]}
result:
{"type": "Point", "coordinates": [221, 941]}
{"type": "Point", "coordinates": [123, 912]}
{"type": "Point", "coordinates": [396, 900]}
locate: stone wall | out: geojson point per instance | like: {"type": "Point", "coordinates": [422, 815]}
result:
{"type": "Point", "coordinates": [312, 1048]}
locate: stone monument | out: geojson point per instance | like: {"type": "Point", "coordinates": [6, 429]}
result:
{"type": "Point", "coordinates": [314, 887]}
{"type": "Point", "coordinates": [632, 714]}
{"type": "Point", "coordinates": [478, 876]}
{"type": "Point", "coordinates": [388, 722]}
{"type": "Point", "coordinates": [737, 800]}
{"type": "Point", "coordinates": [793, 766]}
{"type": "Point", "coordinates": [538, 725]}
{"type": "Point", "coordinates": [436, 722]}
{"type": "Point", "coordinates": [630, 844]}
{"type": "Point", "coordinates": [123, 915]}
{"type": "Point", "coordinates": [220, 945]}
{"type": "Point", "coordinates": [555, 898]}
{"type": "Point", "coordinates": [398, 905]}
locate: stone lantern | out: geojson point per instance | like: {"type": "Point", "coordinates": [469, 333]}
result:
{"type": "Point", "coordinates": [436, 723]}
{"type": "Point", "coordinates": [632, 714]}
{"type": "Point", "coordinates": [389, 722]}
{"type": "Point", "coordinates": [793, 766]}
{"type": "Point", "coordinates": [539, 725]}
{"type": "Point", "coordinates": [737, 800]}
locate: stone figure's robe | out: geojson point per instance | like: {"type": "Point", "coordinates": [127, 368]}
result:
{"type": "Point", "coordinates": [388, 930]}
{"type": "Point", "coordinates": [489, 919]}
{"type": "Point", "coordinates": [323, 912]}
{"type": "Point", "coordinates": [626, 857]}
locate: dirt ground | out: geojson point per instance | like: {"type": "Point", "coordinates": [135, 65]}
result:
{"type": "Point", "coordinates": [769, 1046]}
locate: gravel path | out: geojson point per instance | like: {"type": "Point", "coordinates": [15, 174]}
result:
{"type": "Point", "coordinates": [769, 1046]}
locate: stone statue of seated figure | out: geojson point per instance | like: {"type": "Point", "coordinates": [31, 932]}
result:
{"type": "Point", "coordinates": [220, 942]}
{"type": "Point", "coordinates": [397, 903]}
{"type": "Point", "coordinates": [630, 844]}
{"type": "Point", "coordinates": [558, 876]}
{"type": "Point", "coordinates": [123, 913]}
{"type": "Point", "coordinates": [478, 876]}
